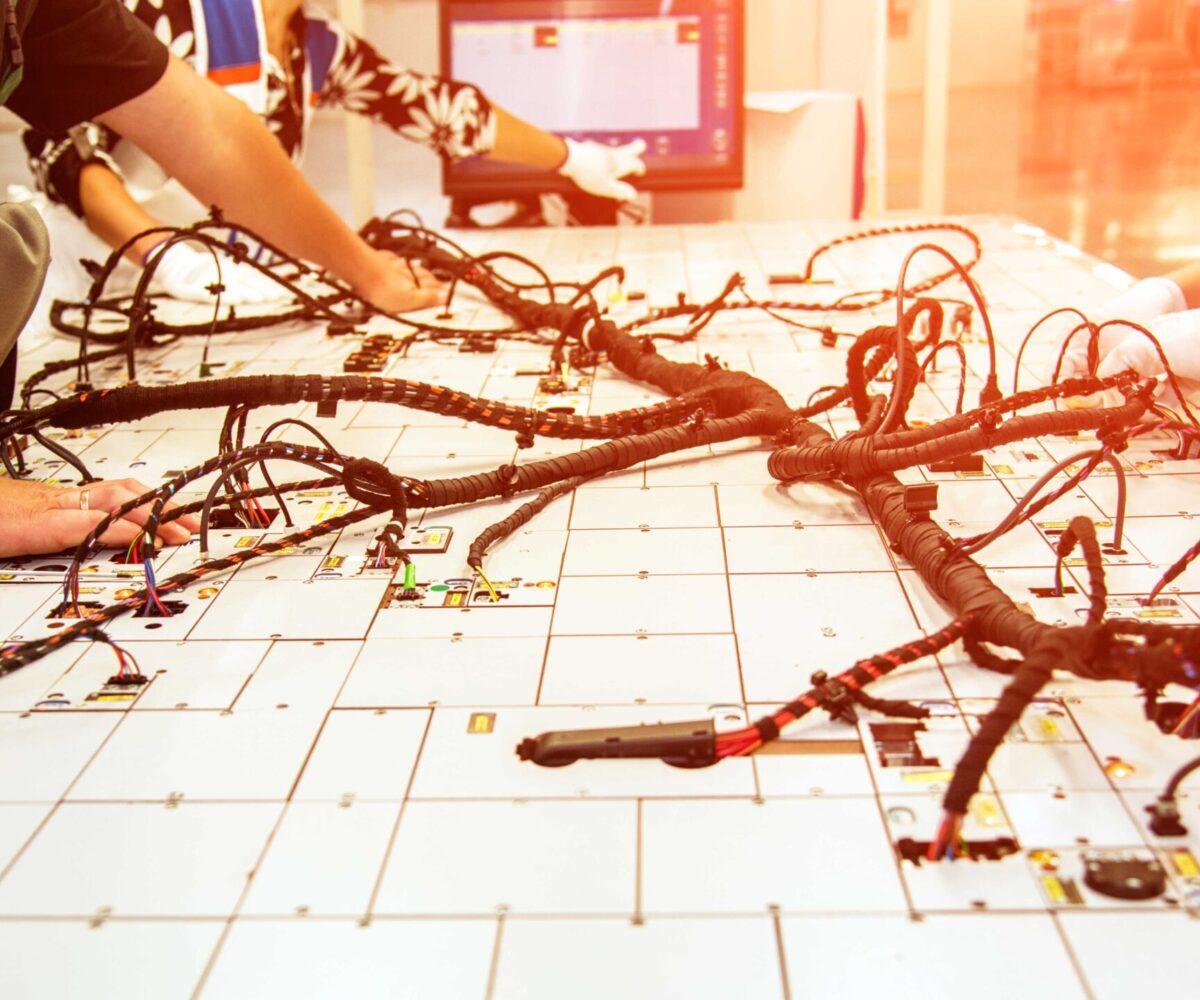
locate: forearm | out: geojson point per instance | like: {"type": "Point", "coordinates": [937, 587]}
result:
{"type": "Point", "coordinates": [1188, 280]}
{"type": "Point", "coordinates": [517, 141]}
{"type": "Point", "coordinates": [224, 155]}
{"type": "Point", "coordinates": [112, 214]}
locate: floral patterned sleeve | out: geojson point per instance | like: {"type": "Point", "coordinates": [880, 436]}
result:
{"type": "Point", "coordinates": [453, 119]}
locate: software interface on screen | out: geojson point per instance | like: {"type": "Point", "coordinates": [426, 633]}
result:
{"type": "Point", "coordinates": [666, 71]}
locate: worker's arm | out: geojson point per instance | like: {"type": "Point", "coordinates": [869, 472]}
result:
{"type": "Point", "coordinates": [220, 151]}
{"type": "Point", "coordinates": [456, 120]}
{"type": "Point", "coordinates": [517, 141]}
{"type": "Point", "coordinates": [1188, 280]}
{"type": "Point", "coordinates": [184, 270]}
{"type": "Point", "coordinates": [111, 212]}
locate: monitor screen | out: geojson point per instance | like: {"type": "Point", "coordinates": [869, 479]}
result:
{"type": "Point", "coordinates": [666, 71]}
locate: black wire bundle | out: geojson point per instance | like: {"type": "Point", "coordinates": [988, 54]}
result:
{"type": "Point", "coordinates": [706, 404]}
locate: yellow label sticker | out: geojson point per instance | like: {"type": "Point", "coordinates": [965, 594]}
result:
{"type": "Point", "coordinates": [1047, 860]}
{"type": "Point", "coordinates": [985, 811]}
{"type": "Point", "coordinates": [1184, 863]}
{"type": "Point", "coordinates": [1049, 727]}
{"type": "Point", "coordinates": [481, 723]}
{"type": "Point", "coordinates": [1054, 889]}
{"type": "Point", "coordinates": [927, 777]}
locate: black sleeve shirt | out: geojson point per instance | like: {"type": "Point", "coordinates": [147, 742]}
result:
{"type": "Point", "coordinates": [81, 58]}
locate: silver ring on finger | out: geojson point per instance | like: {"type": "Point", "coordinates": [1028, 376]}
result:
{"type": "Point", "coordinates": [84, 501]}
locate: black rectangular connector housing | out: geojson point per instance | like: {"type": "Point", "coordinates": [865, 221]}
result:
{"type": "Point", "coordinates": [126, 680]}
{"type": "Point", "coordinates": [681, 744]}
{"type": "Point", "coordinates": [229, 520]}
{"type": "Point", "coordinates": [963, 463]}
{"type": "Point", "coordinates": [920, 498]}
{"type": "Point", "coordinates": [1165, 820]}
{"type": "Point", "coordinates": [917, 851]}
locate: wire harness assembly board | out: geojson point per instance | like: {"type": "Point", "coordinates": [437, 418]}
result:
{"type": "Point", "coordinates": [800, 626]}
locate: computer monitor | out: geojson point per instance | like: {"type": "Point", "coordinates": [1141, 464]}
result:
{"type": "Point", "coordinates": [666, 71]}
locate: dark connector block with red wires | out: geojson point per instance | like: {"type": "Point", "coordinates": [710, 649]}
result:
{"type": "Point", "coordinates": [992, 849]}
{"type": "Point", "coordinates": [127, 680]}
{"type": "Point", "coordinates": [680, 744]}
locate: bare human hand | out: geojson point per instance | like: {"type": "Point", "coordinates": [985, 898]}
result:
{"type": "Point", "coordinates": [36, 518]}
{"type": "Point", "coordinates": [399, 286]}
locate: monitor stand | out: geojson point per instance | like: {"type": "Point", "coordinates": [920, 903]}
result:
{"type": "Point", "coordinates": [584, 210]}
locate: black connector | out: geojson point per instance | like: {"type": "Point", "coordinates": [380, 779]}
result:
{"type": "Point", "coordinates": [1164, 819]}
{"type": "Point", "coordinates": [920, 499]}
{"type": "Point", "coordinates": [150, 611]}
{"type": "Point", "coordinates": [996, 849]}
{"type": "Point", "coordinates": [680, 744]}
{"type": "Point", "coordinates": [126, 680]}
{"type": "Point", "coordinates": [1123, 874]}
{"type": "Point", "coordinates": [990, 393]}
{"type": "Point", "coordinates": [961, 463]}
{"type": "Point", "coordinates": [835, 697]}
{"type": "Point", "coordinates": [67, 609]}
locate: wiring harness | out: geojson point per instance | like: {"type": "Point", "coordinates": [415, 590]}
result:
{"type": "Point", "coordinates": [706, 404]}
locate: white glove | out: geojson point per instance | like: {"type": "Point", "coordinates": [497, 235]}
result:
{"type": "Point", "coordinates": [1179, 334]}
{"type": "Point", "coordinates": [597, 169]}
{"type": "Point", "coordinates": [186, 273]}
{"type": "Point", "coordinates": [1145, 301]}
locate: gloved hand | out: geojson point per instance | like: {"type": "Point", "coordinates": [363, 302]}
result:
{"type": "Point", "coordinates": [1145, 301]}
{"type": "Point", "coordinates": [1179, 334]}
{"type": "Point", "coordinates": [185, 273]}
{"type": "Point", "coordinates": [597, 169]}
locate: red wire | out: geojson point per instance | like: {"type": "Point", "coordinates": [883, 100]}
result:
{"type": "Point", "coordinates": [738, 742]}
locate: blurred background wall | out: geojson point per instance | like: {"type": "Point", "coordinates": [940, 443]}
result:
{"type": "Point", "coordinates": [1079, 115]}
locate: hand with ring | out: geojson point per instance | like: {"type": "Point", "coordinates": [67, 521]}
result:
{"type": "Point", "coordinates": [36, 518]}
